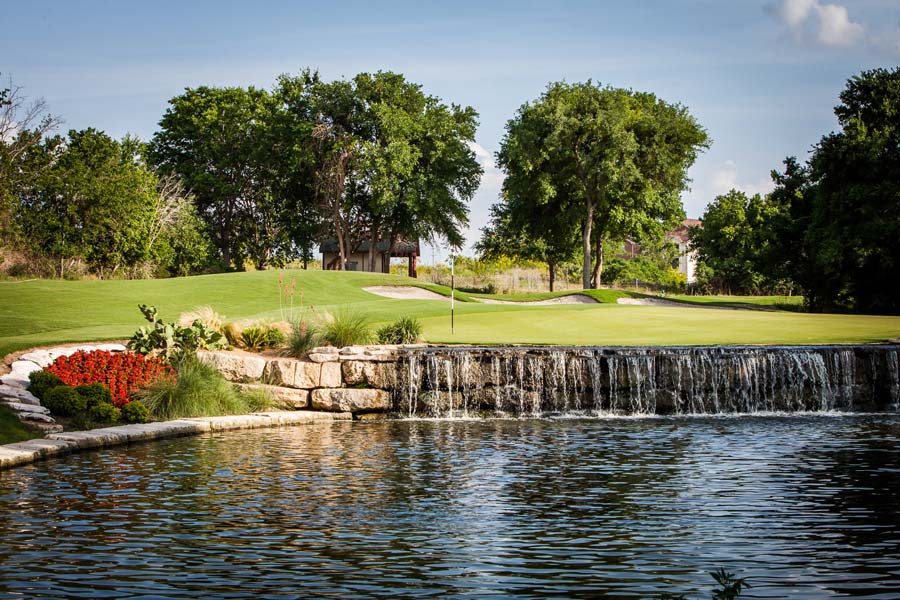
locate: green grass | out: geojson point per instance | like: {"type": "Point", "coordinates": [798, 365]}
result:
{"type": "Point", "coordinates": [12, 430]}
{"type": "Point", "coordinates": [776, 302]}
{"type": "Point", "coordinates": [34, 313]}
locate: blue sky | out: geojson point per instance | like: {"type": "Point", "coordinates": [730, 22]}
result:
{"type": "Point", "coordinates": [761, 76]}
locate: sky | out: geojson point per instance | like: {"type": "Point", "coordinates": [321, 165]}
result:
{"type": "Point", "coordinates": [761, 76]}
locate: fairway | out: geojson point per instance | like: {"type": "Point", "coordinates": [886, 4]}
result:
{"type": "Point", "coordinates": [41, 312]}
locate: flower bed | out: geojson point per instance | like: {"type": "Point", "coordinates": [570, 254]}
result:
{"type": "Point", "coordinates": [121, 372]}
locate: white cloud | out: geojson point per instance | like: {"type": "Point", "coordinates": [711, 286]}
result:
{"type": "Point", "coordinates": [827, 24]}
{"type": "Point", "coordinates": [836, 28]}
{"type": "Point", "coordinates": [726, 179]}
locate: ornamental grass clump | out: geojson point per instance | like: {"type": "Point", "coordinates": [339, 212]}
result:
{"type": "Point", "coordinates": [405, 330]}
{"type": "Point", "coordinates": [303, 337]}
{"type": "Point", "coordinates": [347, 328]}
{"type": "Point", "coordinates": [198, 390]}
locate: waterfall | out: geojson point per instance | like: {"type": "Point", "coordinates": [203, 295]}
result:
{"type": "Point", "coordinates": [450, 382]}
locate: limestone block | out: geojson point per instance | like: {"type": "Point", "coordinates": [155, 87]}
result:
{"type": "Point", "coordinates": [293, 373]}
{"type": "Point", "coordinates": [235, 366]}
{"type": "Point", "coordinates": [324, 350]}
{"type": "Point", "coordinates": [24, 409]}
{"type": "Point", "coordinates": [372, 374]}
{"type": "Point", "coordinates": [17, 394]}
{"type": "Point", "coordinates": [39, 357]}
{"type": "Point", "coordinates": [331, 375]}
{"type": "Point", "coordinates": [282, 396]}
{"type": "Point", "coordinates": [46, 426]}
{"type": "Point", "coordinates": [38, 417]}
{"type": "Point", "coordinates": [15, 380]}
{"type": "Point", "coordinates": [350, 400]}
{"type": "Point", "coordinates": [322, 358]}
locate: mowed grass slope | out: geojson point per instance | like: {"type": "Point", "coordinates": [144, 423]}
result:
{"type": "Point", "coordinates": [41, 312]}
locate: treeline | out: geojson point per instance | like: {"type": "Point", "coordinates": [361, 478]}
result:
{"type": "Point", "coordinates": [238, 176]}
{"type": "Point", "coordinates": [831, 228]}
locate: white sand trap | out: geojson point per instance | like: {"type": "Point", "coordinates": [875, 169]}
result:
{"type": "Point", "coordinates": [663, 302]}
{"type": "Point", "coordinates": [404, 292]}
{"type": "Point", "coordinates": [569, 299]}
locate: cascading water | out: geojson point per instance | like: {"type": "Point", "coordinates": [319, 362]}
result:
{"type": "Point", "coordinates": [465, 382]}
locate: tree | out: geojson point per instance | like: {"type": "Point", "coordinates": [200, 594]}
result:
{"type": "Point", "coordinates": [612, 160]}
{"type": "Point", "coordinates": [733, 244]}
{"type": "Point", "coordinates": [217, 141]}
{"type": "Point", "coordinates": [23, 127]}
{"type": "Point", "coordinates": [390, 161]}
{"type": "Point", "coordinates": [95, 200]}
{"type": "Point", "coordinates": [840, 216]}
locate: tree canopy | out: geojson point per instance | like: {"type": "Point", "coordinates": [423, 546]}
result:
{"type": "Point", "coordinates": [608, 162]}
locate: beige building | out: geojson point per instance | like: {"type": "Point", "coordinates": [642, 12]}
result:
{"type": "Point", "coordinates": [359, 258]}
{"type": "Point", "coordinates": [687, 258]}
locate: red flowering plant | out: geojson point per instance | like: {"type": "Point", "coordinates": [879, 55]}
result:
{"type": "Point", "coordinates": [122, 372]}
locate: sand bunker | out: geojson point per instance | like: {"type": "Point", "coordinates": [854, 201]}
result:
{"type": "Point", "coordinates": [663, 302]}
{"type": "Point", "coordinates": [404, 292]}
{"type": "Point", "coordinates": [570, 299]}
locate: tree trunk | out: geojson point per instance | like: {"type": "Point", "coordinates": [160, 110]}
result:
{"type": "Point", "coordinates": [598, 266]}
{"type": "Point", "coordinates": [339, 232]}
{"type": "Point", "coordinates": [586, 245]}
{"type": "Point", "coordinates": [551, 266]}
{"type": "Point", "coordinates": [373, 246]}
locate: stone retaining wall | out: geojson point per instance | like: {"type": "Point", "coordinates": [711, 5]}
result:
{"type": "Point", "coordinates": [355, 379]}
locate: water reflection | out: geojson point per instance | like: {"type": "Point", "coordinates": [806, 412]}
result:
{"type": "Point", "coordinates": [804, 506]}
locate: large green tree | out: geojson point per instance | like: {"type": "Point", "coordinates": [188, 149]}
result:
{"type": "Point", "coordinates": [734, 244]}
{"type": "Point", "coordinates": [95, 200]}
{"type": "Point", "coordinates": [24, 125]}
{"type": "Point", "coordinates": [838, 219]}
{"type": "Point", "coordinates": [612, 160]}
{"type": "Point", "coordinates": [390, 161]}
{"type": "Point", "coordinates": [218, 141]}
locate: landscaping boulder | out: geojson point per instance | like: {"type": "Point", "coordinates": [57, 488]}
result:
{"type": "Point", "coordinates": [371, 374]}
{"type": "Point", "coordinates": [17, 394]}
{"type": "Point", "coordinates": [323, 354]}
{"type": "Point", "coordinates": [235, 366]}
{"type": "Point", "coordinates": [331, 375]}
{"type": "Point", "coordinates": [284, 397]}
{"type": "Point", "coordinates": [351, 400]}
{"type": "Point", "coordinates": [293, 373]}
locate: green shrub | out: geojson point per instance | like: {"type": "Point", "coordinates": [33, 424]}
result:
{"type": "Point", "coordinates": [405, 330]}
{"type": "Point", "coordinates": [95, 394]}
{"type": "Point", "coordinates": [64, 401]}
{"type": "Point", "coordinates": [347, 328]}
{"type": "Point", "coordinates": [103, 414]}
{"type": "Point", "coordinates": [172, 340]}
{"type": "Point", "coordinates": [41, 382]}
{"type": "Point", "coordinates": [136, 412]}
{"type": "Point", "coordinates": [304, 336]}
{"type": "Point", "coordinates": [259, 337]}
{"type": "Point", "coordinates": [198, 390]}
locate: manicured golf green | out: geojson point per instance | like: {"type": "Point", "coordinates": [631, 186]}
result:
{"type": "Point", "coordinates": [41, 312]}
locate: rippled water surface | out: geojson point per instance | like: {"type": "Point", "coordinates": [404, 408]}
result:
{"type": "Point", "coordinates": [805, 507]}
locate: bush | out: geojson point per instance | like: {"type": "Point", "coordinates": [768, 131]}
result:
{"type": "Point", "coordinates": [172, 340]}
{"type": "Point", "coordinates": [41, 382]}
{"type": "Point", "coordinates": [259, 337]}
{"type": "Point", "coordinates": [257, 400]}
{"type": "Point", "coordinates": [103, 414]}
{"type": "Point", "coordinates": [232, 332]}
{"type": "Point", "coordinates": [121, 372]}
{"type": "Point", "coordinates": [65, 401]}
{"type": "Point", "coordinates": [303, 337]}
{"type": "Point", "coordinates": [136, 412]}
{"type": "Point", "coordinates": [198, 390]}
{"type": "Point", "coordinates": [405, 330]}
{"type": "Point", "coordinates": [347, 329]}
{"type": "Point", "coordinates": [95, 394]}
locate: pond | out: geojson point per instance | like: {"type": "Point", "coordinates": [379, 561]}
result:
{"type": "Point", "coordinates": [803, 506]}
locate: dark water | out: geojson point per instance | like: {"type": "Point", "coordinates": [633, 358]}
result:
{"type": "Point", "coordinates": [805, 507]}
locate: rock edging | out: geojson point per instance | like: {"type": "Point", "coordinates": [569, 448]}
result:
{"type": "Point", "coordinates": [58, 444]}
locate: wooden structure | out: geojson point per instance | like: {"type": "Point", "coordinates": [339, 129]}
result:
{"type": "Point", "coordinates": [358, 260]}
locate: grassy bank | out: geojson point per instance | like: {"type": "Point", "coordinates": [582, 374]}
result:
{"type": "Point", "coordinates": [12, 430]}
{"type": "Point", "coordinates": [41, 312]}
